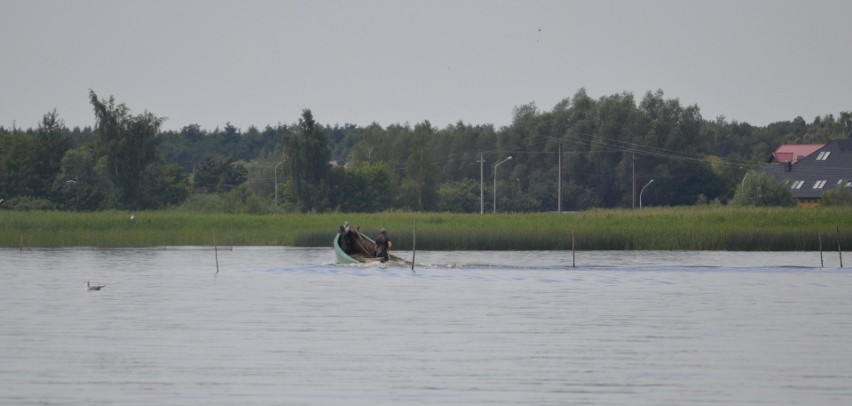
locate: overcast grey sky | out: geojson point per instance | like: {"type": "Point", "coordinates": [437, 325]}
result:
{"type": "Point", "coordinates": [261, 62]}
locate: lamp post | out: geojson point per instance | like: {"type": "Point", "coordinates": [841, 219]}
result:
{"type": "Point", "coordinates": [643, 190]}
{"type": "Point", "coordinates": [495, 181]}
{"type": "Point", "coordinates": [276, 181]}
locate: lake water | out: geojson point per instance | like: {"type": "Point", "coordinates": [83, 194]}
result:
{"type": "Point", "coordinates": [286, 326]}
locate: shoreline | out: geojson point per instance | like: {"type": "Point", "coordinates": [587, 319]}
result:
{"type": "Point", "coordinates": [666, 229]}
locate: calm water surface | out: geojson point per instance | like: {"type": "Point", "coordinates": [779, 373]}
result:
{"type": "Point", "coordinates": [286, 326]}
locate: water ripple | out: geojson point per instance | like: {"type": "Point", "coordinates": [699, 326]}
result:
{"type": "Point", "coordinates": [287, 326]}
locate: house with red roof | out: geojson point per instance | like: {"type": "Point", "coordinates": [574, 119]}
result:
{"type": "Point", "coordinates": [821, 170]}
{"type": "Point", "coordinates": [792, 153]}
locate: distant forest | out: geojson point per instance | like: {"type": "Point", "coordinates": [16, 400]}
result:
{"type": "Point", "coordinates": [608, 149]}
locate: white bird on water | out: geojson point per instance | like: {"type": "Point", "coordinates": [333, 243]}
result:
{"type": "Point", "coordinates": [93, 287]}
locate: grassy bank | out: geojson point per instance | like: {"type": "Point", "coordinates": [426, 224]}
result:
{"type": "Point", "coordinates": [689, 228]}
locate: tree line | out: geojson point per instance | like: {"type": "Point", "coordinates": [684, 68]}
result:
{"type": "Point", "coordinates": [607, 150]}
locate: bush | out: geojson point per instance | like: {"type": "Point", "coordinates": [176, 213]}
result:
{"type": "Point", "coordinates": [27, 203]}
{"type": "Point", "coordinates": [238, 201]}
{"type": "Point", "coordinates": [760, 190]}
{"type": "Point", "coordinates": [243, 200]}
{"type": "Point", "coordinates": [208, 203]}
{"type": "Point", "coordinates": [837, 197]}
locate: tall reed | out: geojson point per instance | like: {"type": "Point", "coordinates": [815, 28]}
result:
{"type": "Point", "coordinates": [682, 228]}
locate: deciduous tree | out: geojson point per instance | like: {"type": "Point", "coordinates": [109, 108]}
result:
{"type": "Point", "coordinates": [128, 143]}
{"type": "Point", "coordinates": [307, 156]}
{"type": "Point", "coordinates": [759, 189]}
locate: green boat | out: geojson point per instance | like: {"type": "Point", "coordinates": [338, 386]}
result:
{"type": "Point", "coordinates": [360, 249]}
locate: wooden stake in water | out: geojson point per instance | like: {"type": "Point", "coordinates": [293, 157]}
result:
{"type": "Point", "coordinates": [215, 251]}
{"type": "Point", "coordinates": [22, 242]}
{"type": "Point", "coordinates": [821, 263]}
{"type": "Point", "coordinates": [573, 252]}
{"type": "Point", "coordinates": [413, 244]}
{"type": "Point", "coordinates": [839, 251]}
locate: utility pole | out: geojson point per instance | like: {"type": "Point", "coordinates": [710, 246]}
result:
{"type": "Point", "coordinates": [633, 207]}
{"type": "Point", "coordinates": [481, 190]}
{"type": "Point", "coordinates": [276, 181]}
{"type": "Point", "coordinates": [559, 186]}
{"type": "Point", "coordinates": [559, 175]}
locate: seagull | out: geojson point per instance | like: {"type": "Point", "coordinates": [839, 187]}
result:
{"type": "Point", "coordinates": [93, 287]}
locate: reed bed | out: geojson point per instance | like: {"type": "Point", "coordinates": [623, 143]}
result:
{"type": "Point", "coordinates": [687, 228]}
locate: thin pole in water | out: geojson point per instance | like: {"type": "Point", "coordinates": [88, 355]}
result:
{"type": "Point", "coordinates": [413, 244]}
{"type": "Point", "coordinates": [573, 252]}
{"type": "Point", "coordinates": [22, 242]}
{"type": "Point", "coordinates": [821, 263]}
{"type": "Point", "coordinates": [481, 188]}
{"type": "Point", "coordinates": [215, 251]}
{"type": "Point", "coordinates": [839, 251]}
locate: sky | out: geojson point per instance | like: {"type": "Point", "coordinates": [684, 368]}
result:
{"type": "Point", "coordinates": [259, 63]}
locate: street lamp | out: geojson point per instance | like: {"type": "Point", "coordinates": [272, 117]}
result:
{"type": "Point", "coordinates": [495, 181]}
{"type": "Point", "coordinates": [276, 181]}
{"type": "Point", "coordinates": [641, 191]}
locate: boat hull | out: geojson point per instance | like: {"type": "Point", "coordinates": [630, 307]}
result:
{"type": "Point", "coordinates": [362, 258]}
{"type": "Point", "coordinates": [342, 256]}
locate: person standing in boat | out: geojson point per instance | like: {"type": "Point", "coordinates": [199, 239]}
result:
{"type": "Point", "coordinates": [383, 244]}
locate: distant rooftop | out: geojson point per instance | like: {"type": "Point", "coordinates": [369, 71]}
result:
{"type": "Point", "coordinates": [826, 169]}
{"type": "Point", "coordinates": [792, 153]}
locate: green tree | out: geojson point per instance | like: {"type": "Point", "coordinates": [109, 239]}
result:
{"type": "Point", "coordinates": [241, 200]}
{"type": "Point", "coordinates": [342, 140]}
{"type": "Point", "coordinates": [367, 189]}
{"type": "Point", "coordinates": [185, 147]}
{"type": "Point", "coordinates": [307, 156]}
{"type": "Point", "coordinates": [419, 186]}
{"type": "Point", "coordinates": [837, 197]}
{"type": "Point", "coordinates": [759, 189]}
{"type": "Point", "coordinates": [82, 184]}
{"type": "Point", "coordinates": [164, 185]}
{"type": "Point", "coordinates": [52, 141]}
{"type": "Point", "coordinates": [18, 172]}
{"type": "Point", "coordinates": [213, 175]}
{"type": "Point", "coordinates": [462, 196]}
{"type": "Point", "coordinates": [371, 147]}
{"type": "Point", "coordinates": [128, 143]}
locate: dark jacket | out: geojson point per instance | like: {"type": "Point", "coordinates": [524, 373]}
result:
{"type": "Point", "coordinates": [382, 246]}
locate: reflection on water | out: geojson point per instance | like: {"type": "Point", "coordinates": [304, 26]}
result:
{"type": "Point", "coordinates": [284, 325]}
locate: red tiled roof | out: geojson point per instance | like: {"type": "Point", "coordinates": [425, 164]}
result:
{"type": "Point", "coordinates": [816, 174]}
{"type": "Point", "coordinates": [793, 152]}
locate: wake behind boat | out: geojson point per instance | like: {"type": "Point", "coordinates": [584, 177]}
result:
{"type": "Point", "coordinates": [353, 247]}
